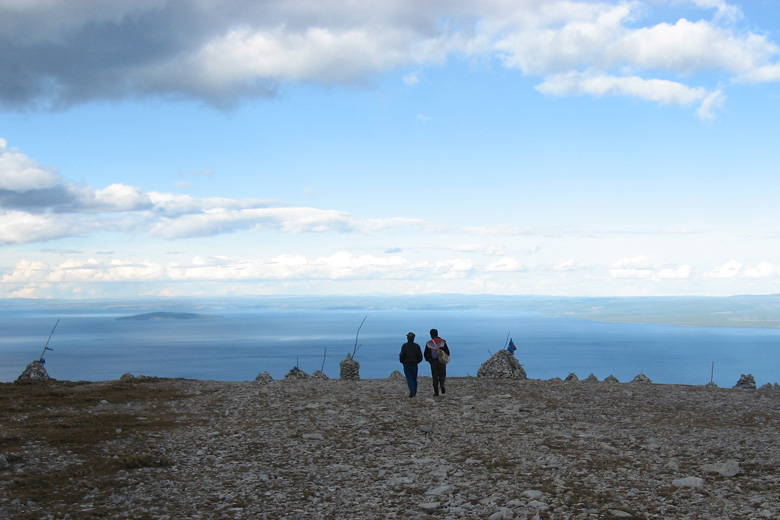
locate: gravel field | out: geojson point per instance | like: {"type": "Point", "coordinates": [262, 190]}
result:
{"type": "Point", "coordinates": [336, 449]}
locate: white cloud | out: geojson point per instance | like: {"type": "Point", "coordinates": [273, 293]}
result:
{"type": "Point", "coordinates": [730, 269]}
{"type": "Point", "coordinates": [505, 265]}
{"type": "Point", "coordinates": [762, 270]}
{"type": "Point", "coordinates": [567, 265]}
{"type": "Point", "coordinates": [21, 174]}
{"type": "Point", "coordinates": [682, 272]}
{"type": "Point", "coordinates": [454, 268]}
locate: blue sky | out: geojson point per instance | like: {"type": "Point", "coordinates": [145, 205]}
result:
{"type": "Point", "coordinates": [165, 148]}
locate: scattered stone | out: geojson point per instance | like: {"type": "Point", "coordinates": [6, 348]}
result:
{"type": "Point", "coordinates": [746, 382]}
{"type": "Point", "coordinates": [265, 377]}
{"type": "Point", "coordinates": [350, 369]}
{"type": "Point", "coordinates": [34, 372]}
{"type": "Point", "coordinates": [332, 449]}
{"type": "Point", "coordinates": [296, 373]}
{"type": "Point", "coordinates": [572, 377]}
{"type": "Point", "coordinates": [502, 365]}
{"type": "Point", "coordinates": [641, 378]}
{"type": "Point", "coordinates": [319, 374]}
{"type": "Point", "coordinates": [611, 379]}
{"type": "Point", "coordinates": [689, 482]}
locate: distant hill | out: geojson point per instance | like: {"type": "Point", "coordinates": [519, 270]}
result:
{"type": "Point", "coordinates": [153, 316]}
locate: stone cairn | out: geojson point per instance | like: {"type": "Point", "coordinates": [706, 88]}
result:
{"type": "Point", "coordinates": [296, 373]}
{"type": "Point", "coordinates": [396, 375]}
{"type": "Point", "coordinates": [502, 365]}
{"type": "Point", "coordinates": [641, 378]}
{"type": "Point", "coordinates": [265, 377]}
{"type": "Point", "coordinates": [34, 372]}
{"type": "Point", "coordinates": [350, 369]}
{"type": "Point", "coordinates": [319, 374]}
{"type": "Point", "coordinates": [611, 379]}
{"type": "Point", "coordinates": [746, 382]}
{"type": "Point", "coordinates": [572, 377]}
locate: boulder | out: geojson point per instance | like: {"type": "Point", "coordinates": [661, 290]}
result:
{"type": "Point", "coordinates": [34, 372]}
{"type": "Point", "coordinates": [502, 365]}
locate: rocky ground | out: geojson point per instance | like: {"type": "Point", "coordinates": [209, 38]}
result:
{"type": "Point", "coordinates": [336, 449]}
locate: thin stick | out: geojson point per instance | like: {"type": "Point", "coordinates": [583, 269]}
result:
{"type": "Point", "coordinates": [507, 339]}
{"type": "Point", "coordinates": [712, 372]}
{"type": "Point", "coordinates": [354, 351]}
{"type": "Point", "coordinates": [323, 359]}
{"type": "Point", "coordinates": [46, 347]}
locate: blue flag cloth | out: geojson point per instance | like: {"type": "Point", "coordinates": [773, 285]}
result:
{"type": "Point", "coordinates": [511, 347]}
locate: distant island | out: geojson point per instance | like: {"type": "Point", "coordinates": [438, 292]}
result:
{"type": "Point", "coordinates": [168, 316]}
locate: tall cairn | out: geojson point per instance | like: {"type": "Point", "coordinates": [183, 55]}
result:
{"type": "Point", "coordinates": [350, 369]}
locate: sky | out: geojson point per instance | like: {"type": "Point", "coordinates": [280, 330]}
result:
{"type": "Point", "coordinates": [199, 148]}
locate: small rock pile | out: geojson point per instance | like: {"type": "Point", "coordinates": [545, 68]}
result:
{"type": "Point", "coordinates": [350, 369]}
{"type": "Point", "coordinates": [396, 375]}
{"type": "Point", "coordinates": [296, 373]}
{"type": "Point", "coordinates": [265, 377]}
{"type": "Point", "coordinates": [502, 365]}
{"type": "Point", "coordinates": [746, 382]}
{"type": "Point", "coordinates": [319, 374]}
{"type": "Point", "coordinates": [34, 372]}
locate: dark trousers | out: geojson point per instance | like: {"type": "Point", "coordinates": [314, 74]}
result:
{"type": "Point", "coordinates": [439, 375]}
{"type": "Point", "coordinates": [410, 371]}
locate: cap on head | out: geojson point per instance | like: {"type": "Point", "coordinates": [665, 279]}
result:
{"type": "Point", "coordinates": [410, 335]}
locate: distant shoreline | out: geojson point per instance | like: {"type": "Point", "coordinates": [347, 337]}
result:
{"type": "Point", "coordinates": [158, 316]}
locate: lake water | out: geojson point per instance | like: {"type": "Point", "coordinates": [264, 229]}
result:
{"type": "Point", "coordinates": [92, 345]}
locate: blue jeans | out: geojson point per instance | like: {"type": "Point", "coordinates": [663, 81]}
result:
{"type": "Point", "coordinates": [410, 371]}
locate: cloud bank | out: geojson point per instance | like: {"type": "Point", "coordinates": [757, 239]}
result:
{"type": "Point", "coordinates": [38, 204]}
{"type": "Point", "coordinates": [56, 55]}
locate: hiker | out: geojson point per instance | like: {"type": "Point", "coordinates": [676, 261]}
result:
{"type": "Point", "coordinates": [438, 369]}
{"type": "Point", "coordinates": [410, 357]}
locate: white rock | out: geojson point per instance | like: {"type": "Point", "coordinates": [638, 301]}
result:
{"type": "Point", "coordinates": [730, 468]}
{"type": "Point", "coordinates": [691, 482]}
{"type": "Point", "coordinates": [441, 490]}
{"type": "Point", "coordinates": [532, 493]}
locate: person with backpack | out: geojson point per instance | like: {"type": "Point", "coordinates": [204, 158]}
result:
{"type": "Point", "coordinates": [410, 357]}
{"type": "Point", "coordinates": [437, 353]}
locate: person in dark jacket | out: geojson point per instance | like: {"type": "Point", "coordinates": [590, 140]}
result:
{"type": "Point", "coordinates": [410, 357]}
{"type": "Point", "coordinates": [438, 369]}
